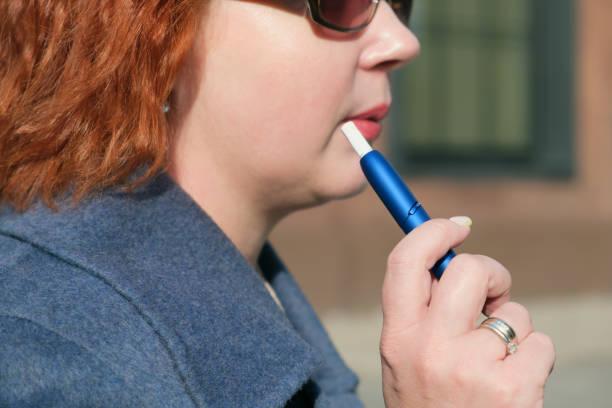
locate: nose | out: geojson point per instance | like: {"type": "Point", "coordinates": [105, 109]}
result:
{"type": "Point", "coordinates": [389, 43]}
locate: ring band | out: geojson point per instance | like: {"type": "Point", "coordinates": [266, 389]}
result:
{"type": "Point", "coordinates": [504, 331]}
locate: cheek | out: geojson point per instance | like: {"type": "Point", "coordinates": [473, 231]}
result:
{"type": "Point", "coordinates": [297, 105]}
{"type": "Point", "coordinates": [272, 89]}
{"type": "Point", "coordinates": [275, 107]}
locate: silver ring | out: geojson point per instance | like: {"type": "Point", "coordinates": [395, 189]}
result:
{"type": "Point", "coordinates": [504, 331]}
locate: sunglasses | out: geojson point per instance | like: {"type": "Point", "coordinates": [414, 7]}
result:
{"type": "Point", "coordinates": [353, 15]}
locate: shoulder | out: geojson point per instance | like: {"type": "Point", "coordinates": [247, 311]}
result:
{"type": "Point", "coordinates": [69, 338]}
{"type": "Point", "coordinates": [40, 367]}
{"type": "Point", "coordinates": [151, 287]}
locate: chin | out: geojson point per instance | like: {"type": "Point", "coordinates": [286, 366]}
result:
{"type": "Point", "coordinates": [341, 191]}
{"type": "Point", "coordinates": [353, 192]}
{"type": "Point", "coordinates": [346, 181]}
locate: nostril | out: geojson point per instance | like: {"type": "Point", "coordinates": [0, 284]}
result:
{"type": "Point", "coordinates": [389, 65]}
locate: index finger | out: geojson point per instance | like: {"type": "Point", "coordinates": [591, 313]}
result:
{"type": "Point", "coordinates": [406, 290]}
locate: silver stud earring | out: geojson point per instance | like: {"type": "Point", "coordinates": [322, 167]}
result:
{"type": "Point", "coordinates": [166, 107]}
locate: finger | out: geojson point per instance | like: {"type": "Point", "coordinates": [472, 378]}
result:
{"type": "Point", "coordinates": [489, 345]}
{"type": "Point", "coordinates": [535, 358]}
{"type": "Point", "coordinates": [465, 286]}
{"type": "Point", "coordinates": [406, 287]}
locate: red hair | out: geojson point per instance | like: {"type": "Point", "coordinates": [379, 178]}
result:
{"type": "Point", "coordinates": [82, 85]}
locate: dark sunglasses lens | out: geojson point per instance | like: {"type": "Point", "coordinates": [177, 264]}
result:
{"type": "Point", "coordinates": [403, 9]}
{"type": "Point", "coordinates": [347, 13]}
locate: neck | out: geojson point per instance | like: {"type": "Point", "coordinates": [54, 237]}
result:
{"type": "Point", "coordinates": [239, 217]}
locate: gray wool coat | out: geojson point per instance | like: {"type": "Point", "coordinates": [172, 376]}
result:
{"type": "Point", "coordinates": [140, 300]}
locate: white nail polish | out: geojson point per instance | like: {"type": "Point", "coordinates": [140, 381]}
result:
{"type": "Point", "coordinates": [462, 220]}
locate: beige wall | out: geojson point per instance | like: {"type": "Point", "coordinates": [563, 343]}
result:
{"type": "Point", "coordinates": [555, 237]}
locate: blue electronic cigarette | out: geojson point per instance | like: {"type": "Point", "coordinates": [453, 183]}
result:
{"type": "Point", "coordinates": [393, 192]}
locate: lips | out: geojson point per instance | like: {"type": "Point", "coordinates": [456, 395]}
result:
{"type": "Point", "coordinates": [368, 122]}
{"type": "Point", "coordinates": [369, 129]}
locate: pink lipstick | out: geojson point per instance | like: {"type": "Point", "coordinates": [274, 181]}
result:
{"type": "Point", "coordinates": [368, 122]}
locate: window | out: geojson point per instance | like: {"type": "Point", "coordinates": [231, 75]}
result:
{"type": "Point", "coordinates": [491, 92]}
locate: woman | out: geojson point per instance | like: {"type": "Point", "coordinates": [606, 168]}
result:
{"type": "Point", "coordinates": [220, 117]}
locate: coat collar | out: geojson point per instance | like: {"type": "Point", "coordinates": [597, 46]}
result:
{"type": "Point", "coordinates": [233, 345]}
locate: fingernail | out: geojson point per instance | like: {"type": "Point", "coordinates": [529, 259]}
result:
{"type": "Point", "coordinates": [462, 220]}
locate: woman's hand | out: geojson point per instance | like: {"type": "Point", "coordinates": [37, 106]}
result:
{"type": "Point", "coordinates": [433, 353]}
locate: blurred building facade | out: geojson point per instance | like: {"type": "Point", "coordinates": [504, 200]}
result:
{"type": "Point", "coordinates": [552, 230]}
